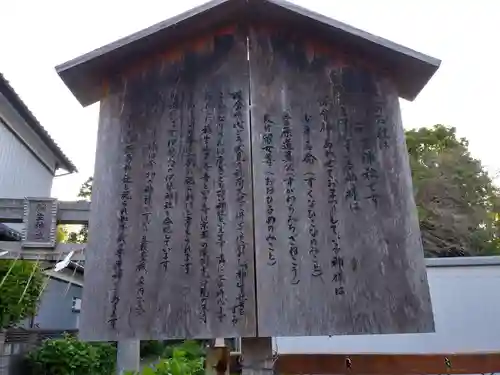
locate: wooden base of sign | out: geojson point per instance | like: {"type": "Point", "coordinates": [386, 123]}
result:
{"type": "Point", "coordinates": [217, 360]}
{"type": "Point", "coordinates": [257, 356]}
{"type": "Point", "coordinates": [128, 356]}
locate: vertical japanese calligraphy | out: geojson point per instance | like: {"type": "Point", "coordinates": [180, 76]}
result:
{"type": "Point", "coordinates": [40, 216]}
{"type": "Point", "coordinates": [328, 226]}
{"type": "Point", "coordinates": [150, 151]}
{"type": "Point", "coordinates": [121, 240]}
{"type": "Point", "coordinates": [206, 135]}
{"type": "Point", "coordinates": [268, 159]}
{"type": "Point", "coordinates": [370, 173]}
{"type": "Point", "coordinates": [345, 129]}
{"type": "Point", "coordinates": [169, 181]}
{"type": "Point", "coordinates": [330, 159]}
{"type": "Point", "coordinates": [381, 123]}
{"type": "Point", "coordinates": [309, 160]}
{"type": "Point", "coordinates": [176, 253]}
{"type": "Point", "coordinates": [40, 220]}
{"type": "Point", "coordinates": [241, 196]}
{"type": "Point", "coordinates": [190, 164]}
{"type": "Point", "coordinates": [221, 208]}
{"type": "Point", "coordinates": [290, 198]}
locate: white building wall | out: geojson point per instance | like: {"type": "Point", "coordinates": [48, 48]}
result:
{"type": "Point", "coordinates": [21, 173]}
{"type": "Point", "coordinates": [465, 296]}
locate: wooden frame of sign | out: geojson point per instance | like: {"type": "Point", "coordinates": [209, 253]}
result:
{"type": "Point", "coordinates": [251, 180]}
{"type": "Point", "coordinates": [40, 222]}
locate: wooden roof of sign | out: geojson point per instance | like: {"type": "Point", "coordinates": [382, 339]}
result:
{"type": "Point", "coordinates": [86, 74]}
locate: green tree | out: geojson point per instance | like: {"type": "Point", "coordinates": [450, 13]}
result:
{"type": "Point", "coordinates": [21, 285]}
{"type": "Point", "coordinates": [458, 203]}
{"type": "Point", "coordinates": [82, 235]}
{"type": "Point", "coordinates": [62, 234]}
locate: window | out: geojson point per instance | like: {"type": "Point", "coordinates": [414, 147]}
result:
{"type": "Point", "coordinates": [77, 304]}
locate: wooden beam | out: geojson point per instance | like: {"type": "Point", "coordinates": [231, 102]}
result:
{"type": "Point", "coordinates": [15, 251]}
{"type": "Point", "coordinates": [12, 211]}
{"type": "Point", "coordinates": [128, 357]}
{"type": "Point", "coordinates": [218, 358]}
{"type": "Point", "coordinates": [382, 364]}
{"type": "Point", "coordinates": [257, 356]}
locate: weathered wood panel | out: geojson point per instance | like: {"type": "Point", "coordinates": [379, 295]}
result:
{"type": "Point", "coordinates": [40, 222]}
{"type": "Point", "coordinates": [257, 356]}
{"type": "Point", "coordinates": [170, 251]}
{"type": "Point", "coordinates": [338, 247]}
{"type": "Point", "coordinates": [382, 364]}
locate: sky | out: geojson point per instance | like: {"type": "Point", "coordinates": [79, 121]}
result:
{"type": "Point", "coordinates": [38, 35]}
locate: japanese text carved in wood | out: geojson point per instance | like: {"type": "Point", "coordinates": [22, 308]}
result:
{"type": "Point", "coordinates": [171, 234]}
{"type": "Point", "coordinates": [40, 222]}
{"type": "Point", "coordinates": [338, 247]}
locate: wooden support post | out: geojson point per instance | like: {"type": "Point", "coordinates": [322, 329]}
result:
{"type": "Point", "coordinates": [128, 356]}
{"type": "Point", "coordinates": [217, 362]}
{"type": "Point", "coordinates": [257, 356]}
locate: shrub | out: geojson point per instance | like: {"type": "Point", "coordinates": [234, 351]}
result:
{"type": "Point", "coordinates": [178, 364]}
{"type": "Point", "coordinates": [22, 284]}
{"type": "Point", "coordinates": [69, 356]}
{"type": "Point", "coordinates": [152, 348]}
{"type": "Point", "coordinates": [192, 350]}
{"type": "Point", "coordinates": [106, 357]}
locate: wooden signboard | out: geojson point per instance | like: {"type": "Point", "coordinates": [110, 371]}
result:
{"type": "Point", "coordinates": [338, 247]}
{"type": "Point", "coordinates": [40, 222]}
{"type": "Point", "coordinates": [251, 182]}
{"type": "Point", "coordinates": [171, 246]}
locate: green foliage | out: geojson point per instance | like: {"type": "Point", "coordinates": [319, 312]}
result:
{"type": "Point", "coordinates": [192, 350]}
{"type": "Point", "coordinates": [82, 235]}
{"type": "Point", "coordinates": [22, 283]}
{"type": "Point", "coordinates": [106, 357]}
{"type": "Point", "coordinates": [86, 189]}
{"type": "Point", "coordinates": [68, 356]}
{"type": "Point", "coordinates": [182, 362]}
{"type": "Point", "coordinates": [458, 203]}
{"type": "Point", "coordinates": [62, 234]}
{"type": "Point", "coordinates": [152, 348]}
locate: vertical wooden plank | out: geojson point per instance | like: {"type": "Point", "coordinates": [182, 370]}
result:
{"type": "Point", "coordinates": [128, 356]}
{"type": "Point", "coordinates": [257, 356]}
{"type": "Point", "coordinates": [338, 247]}
{"type": "Point", "coordinates": [217, 359]}
{"type": "Point", "coordinates": [171, 235]}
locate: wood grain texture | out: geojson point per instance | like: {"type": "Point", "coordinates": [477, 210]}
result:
{"type": "Point", "coordinates": [338, 247]}
{"type": "Point", "coordinates": [382, 364]}
{"type": "Point", "coordinates": [170, 252]}
{"type": "Point", "coordinates": [257, 356]}
{"type": "Point", "coordinates": [217, 361]}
